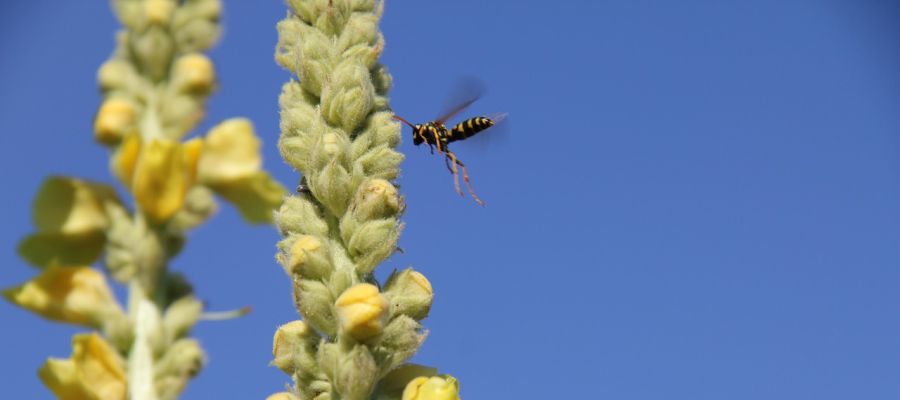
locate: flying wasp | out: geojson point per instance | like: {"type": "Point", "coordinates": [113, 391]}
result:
{"type": "Point", "coordinates": [437, 136]}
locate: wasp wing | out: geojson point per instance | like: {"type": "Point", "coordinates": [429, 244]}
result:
{"type": "Point", "coordinates": [464, 93]}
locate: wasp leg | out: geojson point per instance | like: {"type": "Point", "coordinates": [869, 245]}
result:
{"type": "Point", "coordinates": [465, 174]}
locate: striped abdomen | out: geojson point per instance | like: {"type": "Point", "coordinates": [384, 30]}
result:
{"type": "Point", "coordinates": [469, 128]}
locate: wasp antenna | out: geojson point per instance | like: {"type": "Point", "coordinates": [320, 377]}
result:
{"type": "Point", "coordinates": [399, 118]}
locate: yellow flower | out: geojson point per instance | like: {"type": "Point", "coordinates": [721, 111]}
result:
{"type": "Point", "coordinates": [362, 311]}
{"type": "Point", "coordinates": [70, 217]}
{"type": "Point", "coordinates": [115, 119]}
{"type": "Point", "coordinates": [194, 73]}
{"type": "Point", "coordinates": [78, 295]}
{"type": "Point", "coordinates": [433, 388]}
{"type": "Point", "coordinates": [231, 153]}
{"type": "Point", "coordinates": [94, 371]}
{"type": "Point", "coordinates": [163, 173]}
{"type": "Point", "coordinates": [159, 11]}
{"type": "Point", "coordinates": [231, 165]}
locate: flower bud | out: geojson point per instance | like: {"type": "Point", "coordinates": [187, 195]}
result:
{"type": "Point", "coordinates": [299, 215]}
{"type": "Point", "coordinates": [114, 74]}
{"type": "Point", "coordinates": [293, 347]}
{"type": "Point", "coordinates": [433, 388]}
{"type": "Point", "coordinates": [115, 119]}
{"type": "Point", "coordinates": [362, 311]}
{"type": "Point", "coordinates": [356, 373]}
{"type": "Point", "coordinates": [372, 242]}
{"type": "Point", "coordinates": [376, 198]}
{"type": "Point", "coordinates": [77, 295]}
{"type": "Point", "coordinates": [315, 303]}
{"type": "Point", "coordinates": [94, 371]}
{"type": "Point", "coordinates": [308, 258]}
{"type": "Point", "coordinates": [381, 162]}
{"type": "Point", "coordinates": [409, 293]}
{"type": "Point", "coordinates": [159, 12]}
{"type": "Point", "coordinates": [348, 99]}
{"type": "Point", "coordinates": [194, 73]}
{"type": "Point", "coordinates": [181, 316]}
{"type": "Point", "coordinates": [332, 186]}
{"type": "Point", "coordinates": [182, 361]}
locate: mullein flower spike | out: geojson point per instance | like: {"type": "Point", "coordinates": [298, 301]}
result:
{"type": "Point", "coordinates": [155, 87]}
{"type": "Point", "coordinates": [337, 131]}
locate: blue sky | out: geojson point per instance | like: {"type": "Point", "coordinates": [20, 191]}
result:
{"type": "Point", "coordinates": [695, 199]}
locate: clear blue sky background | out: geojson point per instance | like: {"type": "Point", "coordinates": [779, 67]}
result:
{"type": "Point", "coordinates": [696, 200]}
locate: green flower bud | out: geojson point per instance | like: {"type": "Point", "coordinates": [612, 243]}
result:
{"type": "Point", "coordinates": [332, 186]}
{"type": "Point", "coordinates": [181, 316]}
{"type": "Point", "coordinates": [373, 242]}
{"type": "Point", "coordinates": [328, 357]}
{"type": "Point", "coordinates": [298, 214]}
{"type": "Point", "coordinates": [114, 74]}
{"type": "Point", "coordinates": [409, 293]}
{"type": "Point", "coordinates": [153, 49]}
{"type": "Point", "coordinates": [399, 341]}
{"type": "Point", "coordinates": [348, 100]}
{"type": "Point", "coordinates": [361, 29]}
{"type": "Point", "coordinates": [182, 361]}
{"type": "Point", "coordinates": [381, 79]}
{"type": "Point", "coordinates": [199, 205]}
{"type": "Point", "coordinates": [196, 35]}
{"type": "Point", "coordinates": [314, 302]}
{"type": "Point", "coordinates": [356, 374]}
{"type": "Point", "coordinates": [381, 162]}
{"type": "Point", "coordinates": [294, 348]}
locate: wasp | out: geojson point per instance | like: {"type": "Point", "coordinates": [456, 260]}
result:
{"type": "Point", "coordinates": [438, 136]}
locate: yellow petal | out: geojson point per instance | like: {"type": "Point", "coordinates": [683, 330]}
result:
{"type": "Point", "coordinates": [362, 311]}
{"type": "Point", "coordinates": [433, 388]}
{"type": "Point", "coordinates": [100, 369]}
{"type": "Point", "coordinates": [115, 119]}
{"type": "Point", "coordinates": [61, 377]}
{"type": "Point", "coordinates": [299, 250]}
{"type": "Point", "coordinates": [125, 159]}
{"type": "Point", "coordinates": [161, 179]}
{"type": "Point", "coordinates": [71, 206]}
{"type": "Point", "coordinates": [78, 295]}
{"type": "Point", "coordinates": [231, 152]}
{"type": "Point", "coordinates": [192, 150]}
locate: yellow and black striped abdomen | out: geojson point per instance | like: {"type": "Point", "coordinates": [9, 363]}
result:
{"type": "Point", "coordinates": [469, 128]}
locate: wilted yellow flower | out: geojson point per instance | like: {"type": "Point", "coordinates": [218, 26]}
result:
{"type": "Point", "coordinates": [125, 159]}
{"type": "Point", "coordinates": [194, 73]}
{"type": "Point", "coordinates": [115, 119]}
{"type": "Point", "coordinates": [433, 388]}
{"type": "Point", "coordinates": [159, 11]}
{"type": "Point", "coordinates": [410, 293]}
{"type": "Point", "coordinates": [162, 176]}
{"type": "Point", "coordinates": [289, 341]}
{"type": "Point", "coordinates": [362, 311]}
{"type": "Point", "coordinates": [78, 295]}
{"type": "Point", "coordinates": [95, 371]}
{"type": "Point", "coordinates": [301, 248]}
{"type": "Point", "coordinates": [231, 152]}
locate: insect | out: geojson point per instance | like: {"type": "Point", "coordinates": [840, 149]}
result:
{"type": "Point", "coordinates": [437, 136]}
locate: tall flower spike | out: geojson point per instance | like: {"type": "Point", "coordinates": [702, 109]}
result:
{"type": "Point", "coordinates": [337, 131]}
{"type": "Point", "coordinates": [155, 87]}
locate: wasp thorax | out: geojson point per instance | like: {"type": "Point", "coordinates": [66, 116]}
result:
{"type": "Point", "coordinates": [419, 134]}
